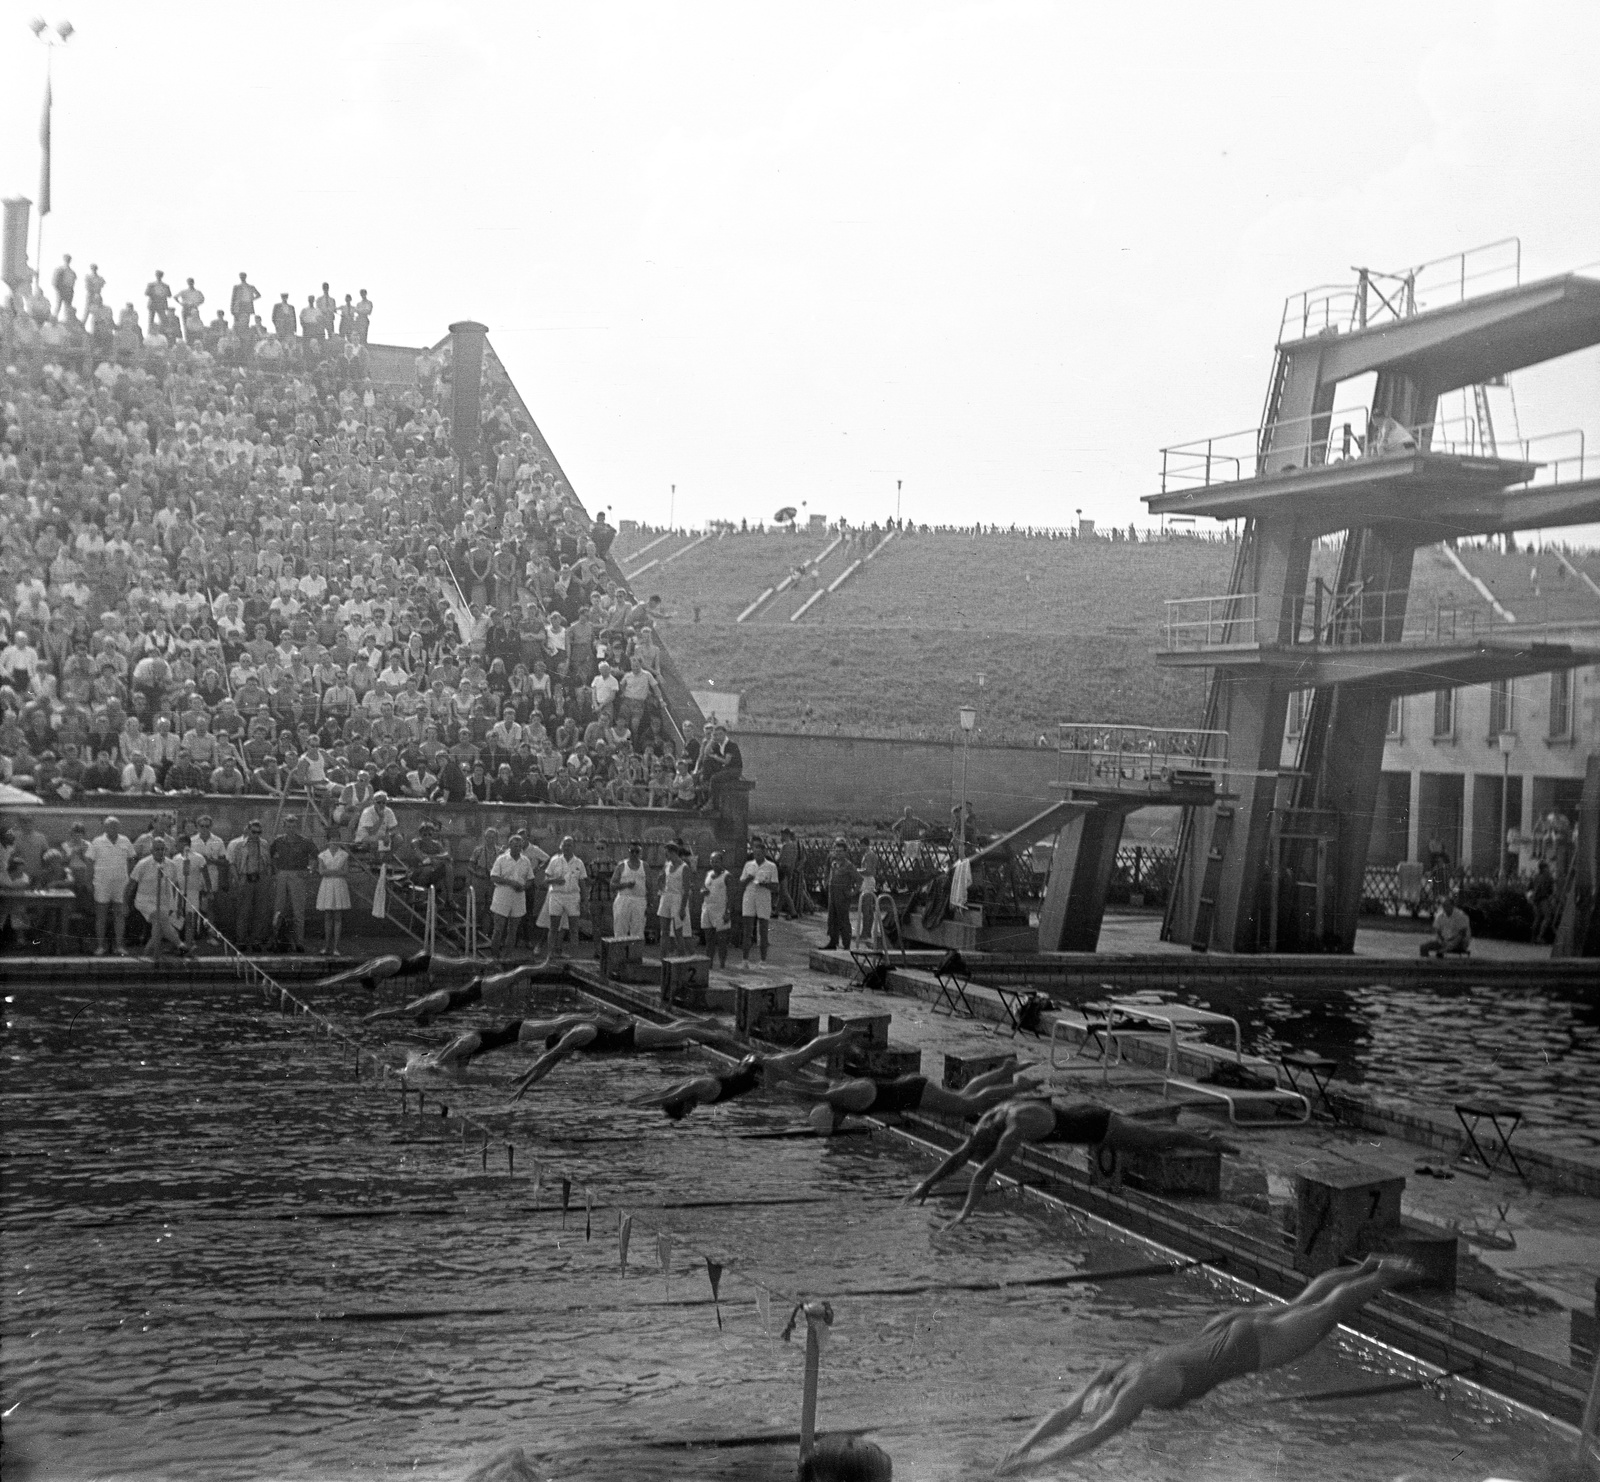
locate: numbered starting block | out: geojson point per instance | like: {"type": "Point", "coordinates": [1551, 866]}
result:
{"type": "Point", "coordinates": [1340, 1210]}
{"type": "Point", "coordinates": [622, 961]}
{"type": "Point", "coordinates": [753, 1002]}
{"type": "Point", "coordinates": [959, 1069]}
{"type": "Point", "coordinates": [685, 982]}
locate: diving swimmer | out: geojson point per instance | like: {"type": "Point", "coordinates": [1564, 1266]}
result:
{"type": "Point", "coordinates": [1004, 1130]}
{"type": "Point", "coordinates": [446, 1000]}
{"type": "Point", "coordinates": [608, 1034]}
{"type": "Point", "coordinates": [748, 1075]}
{"type": "Point", "coordinates": [377, 970]}
{"type": "Point", "coordinates": [1229, 1346]}
{"type": "Point", "coordinates": [862, 1096]}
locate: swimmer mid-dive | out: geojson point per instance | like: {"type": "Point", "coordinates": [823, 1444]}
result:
{"type": "Point", "coordinates": [1230, 1345]}
{"type": "Point", "coordinates": [608, 1034]}
{"type": "Point", "coordinates": [748, 1075]}
{"type": "Point", "coordinates": [1004, 1130]}
{"type": "Point", "coordinates": [862, 1096]}
{"type": "Point", "coordinates": [377, 970]}
{"type": "Point", "coordinates": [447, 1000]}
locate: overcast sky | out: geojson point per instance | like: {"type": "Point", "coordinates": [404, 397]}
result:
{"type": "Point", "coordinates": [774, 254]}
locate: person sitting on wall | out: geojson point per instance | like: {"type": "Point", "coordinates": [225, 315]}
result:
{"type": "Point", "coordinates": [1452, 932]}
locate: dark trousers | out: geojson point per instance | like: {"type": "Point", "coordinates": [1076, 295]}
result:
{"type": "Point", "coordinates": [838, 922]}
{"type": "Point", "coordinates": [252, 920]}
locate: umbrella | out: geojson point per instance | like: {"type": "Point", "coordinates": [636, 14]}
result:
{"type": "Point", "coordinates": [785, 516]}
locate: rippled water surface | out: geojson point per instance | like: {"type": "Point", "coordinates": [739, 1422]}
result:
{"type": "Point", "coordinates": [1537, 1048]}
{"type": "Point", "coordinates": [224, 1257]}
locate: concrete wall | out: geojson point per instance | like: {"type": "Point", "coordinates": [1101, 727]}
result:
{"type": "Point", "coordinates": [828, 779]}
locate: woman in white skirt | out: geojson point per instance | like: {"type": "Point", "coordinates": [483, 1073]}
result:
{"type": "Point", "coordinates": [760, 880]}
{"type": "Point", "coordinates": [673, 908]}
{"type": "Point", "coordinates": [629, 896]}
{"type": "Point", "coordinates": [333, 894]}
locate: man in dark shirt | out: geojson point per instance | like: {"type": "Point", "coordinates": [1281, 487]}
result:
{"type": "Point", "coordinates": [722, 764]}
{"type": "Point", "coordinates": [243, 301]}
{"type": "Point", "coordinates": [284, 319]}
{"type": "Point", "coordinates": [293, 857]}
{"type": "Point", "coordinates": [103, 775]}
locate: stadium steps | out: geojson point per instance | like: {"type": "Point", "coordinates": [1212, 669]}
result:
{"type": "Point", "coordinates": [853, 567]}
{"type": "Point", "coordinates": [793, 580]}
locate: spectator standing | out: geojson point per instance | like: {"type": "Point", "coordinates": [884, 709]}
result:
{"type": "Point", "coordinates": [510, 874]}
{"type": "Point", "coordinates": [242, 302]}
{"type": "Point", "coordinates": [630, 896]}
{"type": "Point", "coordinates": [64, 281]}
{"type": "Point", "coordinates": [565, 875]}
{"type": "Point", "coordinates": [155, 890]}
{"type": "Point", "coordinates": [789, 877]}
{"type": "Point", "coordinates": [158, 294]}
{"type": "Point", "coordinates": [190, 299]}
{"type": "Point", "coordinates": [250, 870]}
{"type": "Point", "coordinates": [294, 857]}
{"type": "Point", "coordinates": [363, 317]}
{"type": "Point", "coordinates": [714, 920]}
{"type": "Point", "coordinates": [333, 894]}
{"type": "Point", "coordinates": [673, 908]}
{"type": "Point", "coordinates": [111, 856]}
{"type": "Point", "coordinates": [868, 903]}
{"type": "Point", "coordinates": [843, 882]}
{"type": "Point", "coordinates": [284, 319]}
{"type": "Point", "coordinates": [760, 880]}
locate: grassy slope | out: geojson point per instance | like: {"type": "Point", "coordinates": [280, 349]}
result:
{"type": "Point", "coordinates": [1061, 630]}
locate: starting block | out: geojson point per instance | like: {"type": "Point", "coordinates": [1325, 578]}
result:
{"type": "Point", "coordinates": [622, 960]}
{"type": "Point", "coordinates": [959, 1069]}
{"type": "Point", "coordinates": [1172, 1171]}
{"type": "Point", "coordinates": [753, 1002]}
{"type": "Point", "coordinates": [684, 980]}
{"type": "Point", "coordinates": [784, 1029]}
{"type": "Point", "coordinates": [873, 1029]}
{"type": "Point", "coordinates": [881, 1062]}
{"type": "Point", "coordinates": [1432, 1250]}
{"type": "Point", "coordinates": [1341, 1209]}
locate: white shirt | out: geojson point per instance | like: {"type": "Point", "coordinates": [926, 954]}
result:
{"type": "Point", "coordinates": [145, 875]}
{"type": "Point", "coordinates": [565, 875]}
{"type": "Point", "coordinates": [111, 861]}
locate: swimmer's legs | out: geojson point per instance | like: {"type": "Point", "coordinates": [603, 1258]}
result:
{"type": "Point", "coordinates": [675, 1035]}
{"type": "Point", "coordinates": [1134, 1136]}
{"type": "Point", "coordinates": [1288, 1333]}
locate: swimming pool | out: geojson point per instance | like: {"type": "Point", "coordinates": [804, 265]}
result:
{"type": "Point", "coordinates": [1438, 1045]}
{"type": "Point", "coordinates": [204, 1213]}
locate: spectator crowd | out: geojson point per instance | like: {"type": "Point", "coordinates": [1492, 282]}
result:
{"type": "Point", "coordinates": [224, 570]}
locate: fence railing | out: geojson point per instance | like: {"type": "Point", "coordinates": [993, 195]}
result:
{"type": "Point", "coordinates": [1386, 297]}
{"type": "Point", "coordinates": [1137, 758]}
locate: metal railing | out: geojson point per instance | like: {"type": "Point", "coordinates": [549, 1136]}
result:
{"type": "Point", "coordinates": [1138, 758]}
{"type": "Point", "coordinates": [1324, 619]}
{"type": "Point", "coordinates": [1386, 297]}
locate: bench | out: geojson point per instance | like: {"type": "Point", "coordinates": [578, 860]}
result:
{"type": "Point", "coordinates": [58, 902]}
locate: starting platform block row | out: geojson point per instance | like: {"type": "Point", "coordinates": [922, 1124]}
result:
{"type": "Point", "coordinates": [622, 961]}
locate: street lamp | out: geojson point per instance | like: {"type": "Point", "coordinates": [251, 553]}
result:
{"type": "Point", "coordinates": [49, 37]}
{"type": "Point", "coordinates": [1507, 741]}
{"type": "Point", "coordinates": [969, 718]}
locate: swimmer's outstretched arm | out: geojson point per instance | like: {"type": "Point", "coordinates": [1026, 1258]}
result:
{"type": "Point", "coordinates": [983, 1139]}
{"type": "Point", "coordinates": [1124, 1409]}
{"type": "Point", "coordinates": [371, 972]}
{"type": "Point", "coordinates": [510, 978]}
{"type": "Point", "coordinates": [570, 1043]}
{"type": "Point", "coordinates": [1052, 1425]}
{"type": "Point", "coordinates": [1010, 1141]}
{"type": "Point", "coordinates": [429, 1004]}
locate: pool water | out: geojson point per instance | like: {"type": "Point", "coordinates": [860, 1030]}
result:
{"type": "Point", "coordinates": [1439, 1045]}
{"type": "Point", "coordinates": [201, 1202]}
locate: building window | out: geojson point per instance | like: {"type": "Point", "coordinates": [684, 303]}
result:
{"type": "Point", "coordinates": [1299, 703]}
{"type": "Point", "coordinates": [1561, 705]}
{"type": "Point", "coordinates": [1397, 720]}
{"type": "Point", "coordinates": [1502, 714]}
{"type": "Point", "coordinates": [1444, 715]}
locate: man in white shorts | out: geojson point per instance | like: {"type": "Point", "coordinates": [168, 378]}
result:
{"type": "Point", "coordinates": [112, 855]}
{"type": "Point", "coordinates": [565, 875]}
{"type": "Point", "coordinates": [510, 874]}
{"type": "Point", "coordinates": [630, 896]}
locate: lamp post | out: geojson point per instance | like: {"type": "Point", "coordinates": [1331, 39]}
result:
{"type": "Point", "coordinates": [1507, 741]}
{"type": "Point", "coordinates": [969, 718]}
{"type": "Point", "coordinates": [49, 37]}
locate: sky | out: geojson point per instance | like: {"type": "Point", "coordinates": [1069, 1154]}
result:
{"type": "Point", "coordinates": [997, 254]}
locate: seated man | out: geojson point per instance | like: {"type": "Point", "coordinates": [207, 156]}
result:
{"type": "Point", "coordinates": [1452, 932]}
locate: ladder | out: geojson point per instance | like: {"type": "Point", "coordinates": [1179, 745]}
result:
{"type": "Point", "coordinates": [1480, 397]}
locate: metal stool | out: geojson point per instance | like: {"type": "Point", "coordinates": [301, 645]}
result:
{"type": "Point", "coordinates": [1492, 1111]}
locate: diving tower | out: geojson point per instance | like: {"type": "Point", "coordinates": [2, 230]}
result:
{"type": "Point", "coordinates": [1381, 480]}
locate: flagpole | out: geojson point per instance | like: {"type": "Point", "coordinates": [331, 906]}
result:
{"type": "Point", "coordinates": [50, 37]}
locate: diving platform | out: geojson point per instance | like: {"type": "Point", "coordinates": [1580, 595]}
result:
{"type": "Point", "coordinates": [1389, 476]}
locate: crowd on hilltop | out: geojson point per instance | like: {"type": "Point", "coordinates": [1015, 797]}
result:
{"type": "Point", "coordinates": [36, 323]}
{"type": "Point", "coordinates": [865, 537]}
{"type": "Point", "coordinates": [218, 578]}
